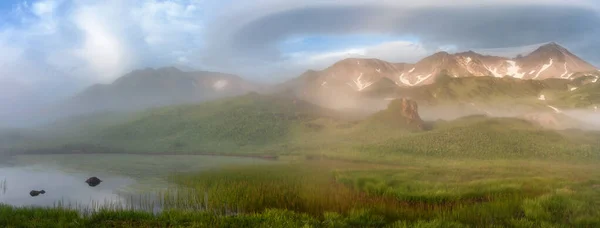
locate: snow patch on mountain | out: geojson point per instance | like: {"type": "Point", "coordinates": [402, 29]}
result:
{"type": "Point", "coordinates": [544, 67]}
{"type": "Point", "coordinates": [542, 97]}
{"type": "Point", "coordinates": [411, 70]}
{"type": "Point", "coordinates": [220, 84]}
{"type": "Point", "coordinates": [494, 71]}
{"type": "Point", "coordinates": [420, 79]}
{"type": "Point", "coordinates": [359, 84]}
{"type": "Point", "coordinates": [566, 72]}
{"type": "Point", "coordinates": [531, 72]}
{"type": "Point", "coordinates": [513, 70]}
{"type": "Point", "coordinates": [554, 108]}
{"type": "Point", "coordinates": [573, 89]}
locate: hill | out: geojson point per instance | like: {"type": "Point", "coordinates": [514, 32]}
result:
{"type": "Point", "coordinates": [549, 61]}
{"type": "Point", "coordinates": [536, 80]}
{"type": "Point", "coordinates": [281, 124]}
{"type": "Point", "coordinates": [147, 88]}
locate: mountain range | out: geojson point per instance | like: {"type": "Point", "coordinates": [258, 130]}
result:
{"type": "Point", "coordinates": [149, 87]}
{"type": "Point", "coordinates": [442, 76]}
{"type": "Point", "coordinates": [548, 61]}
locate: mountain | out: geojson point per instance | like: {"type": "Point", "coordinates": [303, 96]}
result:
{"type": "Point", "coordinates": [146, 88]}
{"type": "Point", "coordinates": [549, 71]}
{"type": "Point", "coordinates": [548, 61]}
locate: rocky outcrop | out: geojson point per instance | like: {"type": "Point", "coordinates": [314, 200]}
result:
{"type": "Point", "coordinates": [408, 110]}
{"type": "Point", "coordinates": [402, 113]}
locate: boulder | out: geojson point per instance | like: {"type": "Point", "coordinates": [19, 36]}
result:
{"type": "Point", "coordinates": [35, 193]}
{"type": "Point", "coordinates": [93, 181]}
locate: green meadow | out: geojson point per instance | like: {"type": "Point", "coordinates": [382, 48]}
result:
{"type": "Point", "coordinates": [336, 171]}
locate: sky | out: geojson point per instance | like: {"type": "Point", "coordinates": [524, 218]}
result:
{"type": "Point", "coordinates": [50, 49]}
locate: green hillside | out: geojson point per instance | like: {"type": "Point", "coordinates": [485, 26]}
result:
{"type": "Point", "coordinates": [283, 125]}
{"type": "Point", "coordinates": [487, 138]}
{"type": "Point", "coordinates": [226, 125]}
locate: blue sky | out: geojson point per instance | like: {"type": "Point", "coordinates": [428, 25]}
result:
{"type": "Point", "coordinates": [54, 48]}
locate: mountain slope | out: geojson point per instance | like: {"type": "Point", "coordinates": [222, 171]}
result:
{"type": "Point", "coordinates": [146, 88]}
{"type": "Point", "coordinates": [547, 62]}
{"type": "Point", "coordinates": [278, 124]}
{"type": "Point", "coordinates": [217, 126]}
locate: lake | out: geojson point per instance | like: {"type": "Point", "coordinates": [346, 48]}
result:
{"type": "Point", "coordinates": [125, 177]}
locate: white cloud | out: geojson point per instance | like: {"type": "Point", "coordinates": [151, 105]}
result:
{"type": "Point", "coordinates": [103, 50]}
{"type": "Point", "coordinates": [394, 51]}
{"type": "Point", "coordinates": [60, 43]}
{"type": "Point", "coordinates": [97, 41]}
{"type": "Point", "coordinates": [46, 7]}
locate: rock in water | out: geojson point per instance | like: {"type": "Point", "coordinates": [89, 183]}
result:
{"type": "Point", "coordinates": [35, 193]}
{"type": "Point", "coordinates": [93, 181]}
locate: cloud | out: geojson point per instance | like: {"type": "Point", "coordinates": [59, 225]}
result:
{"type": "Point", "coordinates": [43, 8]}
{"type": "Point", "coordinates": [53, 47]}
{"type": "Point", "coordinates": [393, 51]}
{"type": "Point", "coordinates": [56, 46]}
{"type": "Point", "coordinates": [459, 24]}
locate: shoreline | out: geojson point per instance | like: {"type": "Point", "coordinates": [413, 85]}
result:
{"type": "Point", "coordinates": [78, 152]}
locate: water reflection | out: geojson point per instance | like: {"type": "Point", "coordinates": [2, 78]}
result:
{"type": "Point", "coordinates": [3, 186]}
{"type": "Point", "coordinates": [60, 188]}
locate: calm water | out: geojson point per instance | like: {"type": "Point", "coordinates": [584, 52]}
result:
{"type": "Point", "coordinates": [60, 186]}
{"type": "Point", "coordinates": [125, 177]}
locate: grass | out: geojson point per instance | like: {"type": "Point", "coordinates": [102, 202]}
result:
{"type": "Point", "coordinates": [475, 194]}
{"type": "Point", "coordinates": [475, 171]}
{"type": "Point", "coordinates": [433, 193]}
{"type": "Point", "coordinates": [269, 125]}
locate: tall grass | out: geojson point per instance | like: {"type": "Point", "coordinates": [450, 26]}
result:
{"type": "Point", "coordinates": [337, 194]}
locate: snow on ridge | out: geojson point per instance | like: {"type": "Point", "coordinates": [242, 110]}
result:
{"type": "Point", "coordinates": [469, 60]}
{"type": "Point", "coordinates": [565, 73]}
{"type": "Point", "coordinates": [573, 89]}
{"type": "Point", "coordinates": [420, 79]}
{"type": "Point", "coordinates": [513, 70]}
{"type": "Point", "coordinates": [542, 97]}
{"type": "Point", "coordinates": [493, 71]}
{"type": "Point", "coordinates": [411, 70]}
{"type": "Point", "coordinates": [359, 84]}
{"type": "Point", "coordinates": [544, 67]}
{"type": "Point", "coordinates": [378, 70]}
{"type": "Point", "coordinates": [531, 72]}
{"type": "Point", "coordinates": [554, 108]}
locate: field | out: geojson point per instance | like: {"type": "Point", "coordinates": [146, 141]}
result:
{"type": "Point", "coordinates": [432, 193]}
{"type": "Point", "coordinates": [337, 171]}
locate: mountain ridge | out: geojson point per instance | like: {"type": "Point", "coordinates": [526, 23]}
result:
{"type": "Point", "coordinates": [547, 61]}
{"type": "Point", "coordinates": [149, 87]}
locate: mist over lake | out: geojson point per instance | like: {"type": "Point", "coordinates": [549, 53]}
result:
{"type": "Point", "coordinates": [125, 178]}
